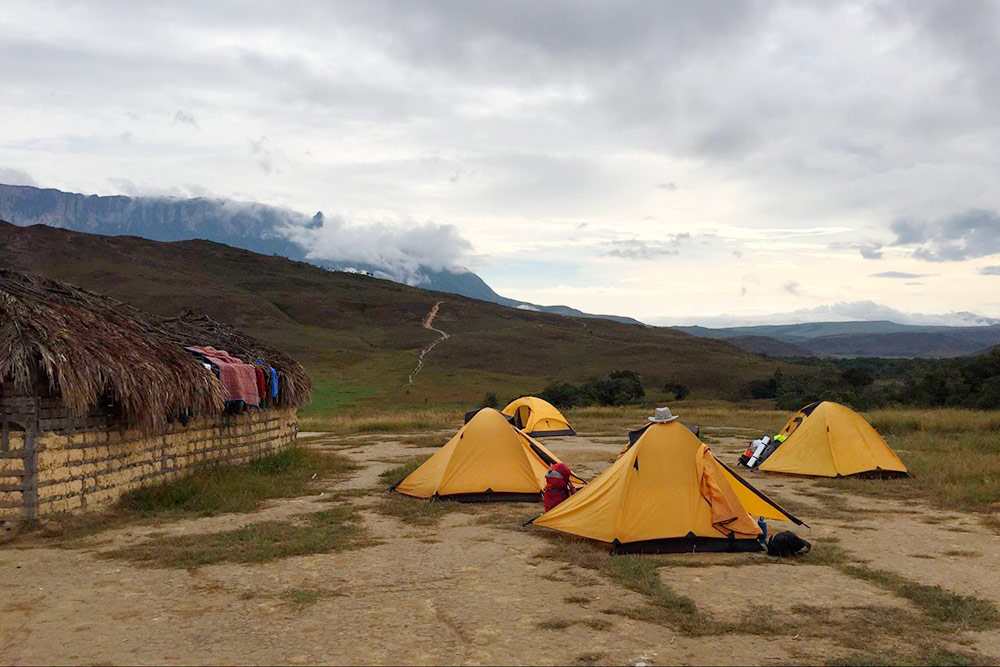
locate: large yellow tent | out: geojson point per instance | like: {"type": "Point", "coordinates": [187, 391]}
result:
{"type": "Point", "coordinates": [666, 493]}
{"type": "Point", "coordinates": [830, 440]}
{"type": "Point", "coordinates": [537, 417]}
{"type": "Point", "coordinates": [488, 459]}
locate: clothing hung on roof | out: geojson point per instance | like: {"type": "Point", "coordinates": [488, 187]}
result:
{"type": "Point", "coordinates": [274, 383]}
{"type": "Point", "coordinates": [238, 379]}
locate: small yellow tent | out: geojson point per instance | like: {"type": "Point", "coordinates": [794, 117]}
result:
{"type": "Point", "coordinates": [488, 459]}
{"type": "Point", "coordinates": [667, 493]}
{"type": "Point", "coordinates": [538, 418]}
{"type": "Point", "coordinates": [830, 440]}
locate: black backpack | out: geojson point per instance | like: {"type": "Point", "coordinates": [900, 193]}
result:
{"type": "Point", "coordinates": [787, 543]}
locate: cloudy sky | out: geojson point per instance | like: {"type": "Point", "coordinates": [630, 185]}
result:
{"type": "Point", "coordinates": [678, 162]}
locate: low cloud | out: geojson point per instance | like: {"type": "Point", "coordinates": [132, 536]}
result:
{"type": "Point", "coordinates": [14, 176]}
{"type": "Point", "coordinates": [990, 271]}
{"type": "Point", "coordinates": [844, 311]}
{"type": "Point", "coordinates": [400, 253]}
{"type": "Point", "coordinates": [644, 250]}
{"type": "Point", "coordinates": [670, 187]}
{"type": "Point", "coordinates": [792, 287]}
{"type": "Point", "coordinates": [966, 235]}
{"type": "Point", "coordinates": [900, 274]}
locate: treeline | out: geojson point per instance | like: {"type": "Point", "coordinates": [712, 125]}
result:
{"type": "Point", "coordinates": [618, 388]}
{"type": "Point", "coordinates": [866, 383]}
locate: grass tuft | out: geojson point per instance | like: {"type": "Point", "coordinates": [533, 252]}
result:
{"type": "Point", "coordinates": [320, 532]}
{"type": "Point", "coordinates": [591, 658]}
{"type": "Point", "coordinates": [400, 472]}
{"type": "Point", "coordinates": [951, 610]}
{"type": "Point", "coordinates": [220, 489]}
{"type": "Point", "coordinates": [303, 597]}
{"type": "Point", "coordinates": [415, 511]}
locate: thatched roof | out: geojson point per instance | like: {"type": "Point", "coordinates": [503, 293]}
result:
{"type": "Point", "coordinates": [86, 346]}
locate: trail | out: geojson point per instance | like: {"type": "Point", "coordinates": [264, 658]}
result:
{"type": "Point", "coordinates": [428, 321]}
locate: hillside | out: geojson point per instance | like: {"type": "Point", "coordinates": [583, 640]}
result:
{"type": "Point", "coordinates": [771, 347]}
{"type": "Point", "coordinates": [246, 225]}
{"type": "Point", "coordinates": [364, 334]}
{"type": "Point", "coordinates": [862, 339]}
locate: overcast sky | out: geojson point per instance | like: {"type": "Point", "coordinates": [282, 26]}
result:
{"type": "Point", "coordinates": [677, 162]}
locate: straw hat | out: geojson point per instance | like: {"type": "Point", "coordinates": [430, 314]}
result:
{"type": "Point", "coordinates": [662, 416]}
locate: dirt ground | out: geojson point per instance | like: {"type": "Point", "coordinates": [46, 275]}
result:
{"type": "Point", "coordinates": [464, 591]}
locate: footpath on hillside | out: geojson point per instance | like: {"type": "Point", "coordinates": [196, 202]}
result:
{"type": "Point", "coordinates": [428, 324]}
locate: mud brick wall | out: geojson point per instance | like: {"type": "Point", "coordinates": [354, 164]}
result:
{"type": "Point", "coordinates": [63, 463]}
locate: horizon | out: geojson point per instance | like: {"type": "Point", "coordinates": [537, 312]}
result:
{"type": "Point", "coordinates": [733, 163]}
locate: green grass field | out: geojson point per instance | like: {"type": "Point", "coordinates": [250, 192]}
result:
{"type": "Point", "coordinates": [359, 337]}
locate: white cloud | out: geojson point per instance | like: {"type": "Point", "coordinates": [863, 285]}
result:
{"type": "Point", "coordinates": [798, 133]}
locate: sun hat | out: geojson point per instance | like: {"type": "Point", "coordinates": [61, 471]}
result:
{"type": "Point", "coordinates": [662, 416]}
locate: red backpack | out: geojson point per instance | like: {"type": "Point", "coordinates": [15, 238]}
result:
{"type": "Point", "coordinates": [558, 486]}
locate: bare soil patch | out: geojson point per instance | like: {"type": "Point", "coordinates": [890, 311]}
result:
{"type": "Point", "coordinates": [473, 587]}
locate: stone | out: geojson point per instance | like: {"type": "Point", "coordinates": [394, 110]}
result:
{"type": "Point", "coordinates": [9, 530]}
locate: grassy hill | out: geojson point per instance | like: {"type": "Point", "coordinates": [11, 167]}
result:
{"type": "Point", "coordinates": [359, 337]}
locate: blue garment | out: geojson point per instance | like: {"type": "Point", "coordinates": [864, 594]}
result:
{"type": "Point", "coordinates": [274, 382]}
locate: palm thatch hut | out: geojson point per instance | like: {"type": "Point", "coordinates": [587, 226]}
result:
{"type": "Point", "coordinates": [98, 397]}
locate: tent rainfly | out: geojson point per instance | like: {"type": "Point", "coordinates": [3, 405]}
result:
{"type": "Point", "coordinates": [488, 459]}
{"type": "Point", "coordinates": [537, 417]}
{"type": "Point", "coordinates": [826, 439]}
{"type": "Point", "coordinates": [667, 493]}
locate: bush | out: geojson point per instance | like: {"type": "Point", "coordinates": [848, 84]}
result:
{"type": "Point", "coordinates": [618, 388]}
{"type": "Point", "coordinates": [679, 391]}
{"type": "Point", "coordinates": [490, 400]}
{"type": "Point", "coordinates": [565, 395]}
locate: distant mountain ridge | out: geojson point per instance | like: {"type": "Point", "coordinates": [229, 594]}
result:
{"type": "Point", "coordinates": [245, 225]}
{"type": "Point", "coordinates": [860, 339]}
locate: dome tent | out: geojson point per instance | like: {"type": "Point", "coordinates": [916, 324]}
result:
{"type": "Point", "coordinates": [826, 439]}
{"type": "Point", "coordinates": [667, 493]}
{"type": "Point", "coordinates": [488, 459]}
{"type": "Point", "coordinates": [537, 417]}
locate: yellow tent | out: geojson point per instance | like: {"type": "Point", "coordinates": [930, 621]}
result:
{"type": "Point", "coordinates": [538, 418]}
{"type": "Point", "coordinates": [666, 493]}
{"type": "Point", "coordinates": [488, 459]}
{"type": "Point", "coordinates": [830, 440]}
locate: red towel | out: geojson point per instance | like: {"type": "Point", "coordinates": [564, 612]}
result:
{"type": "Point", "coordinates": [239, 380]}
{"type": "Point", "coordinates": [261, 383]}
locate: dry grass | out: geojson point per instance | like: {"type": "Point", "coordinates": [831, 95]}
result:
{"type": "Point", "coordinates": [385, 421]}
{"type": "Point", "coordinates": [901, 421]}
{"type": "Point", "coordinates": [950, 611]}
{"type": "Point", "coordinates": [415, 511]}
{"type": "Point", "coordinates": [320, 532]}
{"type": "Point", "coordinates": [951, 470]}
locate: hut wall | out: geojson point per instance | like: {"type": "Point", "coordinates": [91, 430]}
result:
{"type": "Point", "coordinates": [66, 463]}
